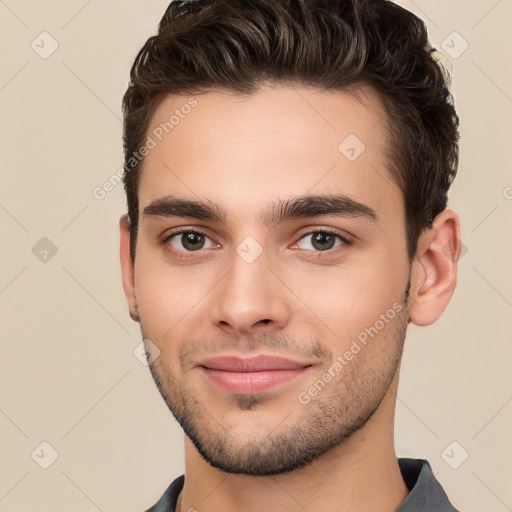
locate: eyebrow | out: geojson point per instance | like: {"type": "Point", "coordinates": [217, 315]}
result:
{"type": "Point", "coordinates": [339, 205]}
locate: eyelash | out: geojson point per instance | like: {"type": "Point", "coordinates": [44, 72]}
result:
{"type": "Point", "coordinates": [345, 241]}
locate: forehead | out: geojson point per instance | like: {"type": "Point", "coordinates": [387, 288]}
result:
{"type": "Point", "coordinates": [279, 142]}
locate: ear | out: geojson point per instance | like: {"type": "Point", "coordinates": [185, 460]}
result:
{"type": "Point", "coordinates": [434, 272]}
{"type": "Point", "coordinates": [127, 267]}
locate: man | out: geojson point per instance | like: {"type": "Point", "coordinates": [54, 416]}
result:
{"type": "Point", "coordinates": [287, 164]}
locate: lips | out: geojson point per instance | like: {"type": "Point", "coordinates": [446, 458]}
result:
{"type": "Point", "coordinates": [253, 364]}
{"type": "Point", "coordinates": [252, 375]}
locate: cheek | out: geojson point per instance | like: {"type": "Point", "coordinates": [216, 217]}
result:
{"type": "Point", "coordinates": [336, 301]}
{"type": "Point", "coordinates": [344, 300]}
{"type": "Point", "coordinates": [157, 295]}
{"type": "Point", "coordinates": [169, 298]}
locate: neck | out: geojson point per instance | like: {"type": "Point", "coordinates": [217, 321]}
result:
{"type": "Point", "coordinates": [361, 474]}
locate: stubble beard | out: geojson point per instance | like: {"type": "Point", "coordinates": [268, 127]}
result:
{"type": "Point", "coordinates": [339, 410]}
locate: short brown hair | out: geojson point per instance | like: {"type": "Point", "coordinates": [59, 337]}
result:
{"type": "Point", "coordinates": [239, 45]}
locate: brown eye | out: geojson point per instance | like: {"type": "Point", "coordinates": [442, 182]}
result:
{"type": "Point", "coordinates": [323, 241]}
{"type": "Point", "coordinates": [188, 241]}
{"type": "Point", "coordinates": [192, 241]}
{"type": "Point", "coordinates": [320, 241]}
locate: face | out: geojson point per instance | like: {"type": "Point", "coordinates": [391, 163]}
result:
{"type": "Point", "coordinates": [271, 271]}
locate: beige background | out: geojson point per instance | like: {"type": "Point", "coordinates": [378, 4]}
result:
{"type": "Point", "coordinates": [68, 373]}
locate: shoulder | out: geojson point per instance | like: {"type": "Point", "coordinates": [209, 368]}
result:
{"type": "Point", "coordinates": [167, 503]}
{"type": "Point", "coordinates": [425, 493]}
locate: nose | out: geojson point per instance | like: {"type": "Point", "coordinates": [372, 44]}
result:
{"type": "Point", "coordinates": [250, 298]}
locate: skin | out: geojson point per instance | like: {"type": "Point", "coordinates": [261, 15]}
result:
{"type": "Point", "coordinates": [294, 300]}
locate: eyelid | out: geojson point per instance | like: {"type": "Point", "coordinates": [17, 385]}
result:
{"type": "Point", "coordinates": [333, 231]}
{"type": "Point", "coordinates": [182, 231]}
{"type": "Point", "coordinates": [345, 238]}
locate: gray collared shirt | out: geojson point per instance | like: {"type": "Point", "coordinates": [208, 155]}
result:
{"type": "Point", "coordinates": [425, 492]}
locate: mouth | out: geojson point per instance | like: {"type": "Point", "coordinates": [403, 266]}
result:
{"type": "Point", "coordinates": [252, 375]}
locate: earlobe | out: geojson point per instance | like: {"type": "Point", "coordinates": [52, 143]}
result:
{"type": "Point", "coordinates": [435, 269]}
{"type": "Point", "coordinates": [127, 267]}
